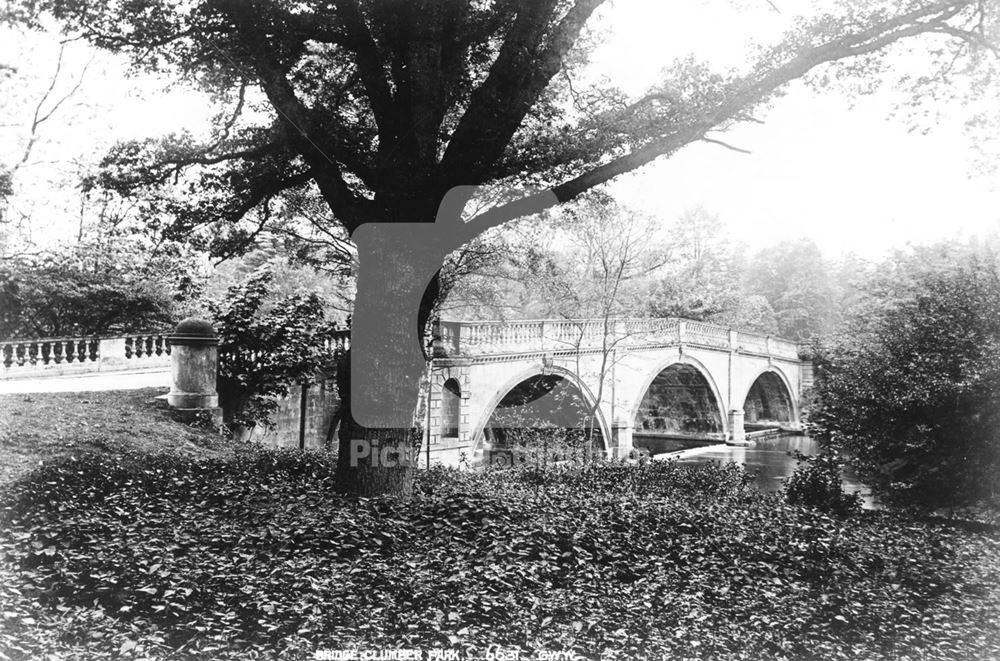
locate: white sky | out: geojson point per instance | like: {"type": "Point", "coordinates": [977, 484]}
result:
{"type": "Point", "coordinates": [846, 177]}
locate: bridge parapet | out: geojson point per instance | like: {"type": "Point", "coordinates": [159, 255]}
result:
{"type": "Point", "coordinates": [492, 338]}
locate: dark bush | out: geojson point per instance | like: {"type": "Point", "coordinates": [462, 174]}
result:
{"type": "Point", "coordinates": [910, 386]}
{"type": "Point", "coordinates": [817, 483]}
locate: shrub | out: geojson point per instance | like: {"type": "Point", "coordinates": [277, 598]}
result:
{"type": "Point", "coordinates": [263, 350]}
{"type": "Point", "coordinates": [817, 483]}
{"type": "Point", "coordinates": [911, 389]}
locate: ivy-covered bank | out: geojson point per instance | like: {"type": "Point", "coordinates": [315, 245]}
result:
{"type": "Point", "coordinates": [155, 556]}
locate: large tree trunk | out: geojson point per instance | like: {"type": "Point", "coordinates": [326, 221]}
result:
{"type": "Point", "coordinates": [380, 380]}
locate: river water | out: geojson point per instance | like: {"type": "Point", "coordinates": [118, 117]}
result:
{"type": "Point", "coordinates": [770, 459]}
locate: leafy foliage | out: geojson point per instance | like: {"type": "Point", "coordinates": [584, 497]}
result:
{"type": "Point", "coordinates": [153, 556]}
{"type": "Point", "coordinates": [93, 289]}
{"type": "Point", "coordinates": [264, 349]}
{"type": "Point", "coordinates": [817, 483]}
{"type": "Point", "coordinates": [911, 389]}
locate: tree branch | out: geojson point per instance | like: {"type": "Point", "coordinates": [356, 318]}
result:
{"type": "Point", "coordinates": [726, 145]}
{"type": "Point", "coordinates": [750, 93]}
{"type": "Point", "coordinates": [521, 72]}
{"type": "Point", "coordinates": [38, 117]}
{"type": "Point", "coordinates": [371, 67]}
{"type": "Point", "coordinates": [350, 209]}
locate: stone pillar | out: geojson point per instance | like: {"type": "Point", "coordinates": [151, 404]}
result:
{"type": "Point", "coordinates": [737, 432]}
{"type": "Point", "coordinates": [194, 358]}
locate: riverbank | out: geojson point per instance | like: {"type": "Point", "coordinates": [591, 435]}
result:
{"type": "Point", "coordinates": [770, 460]}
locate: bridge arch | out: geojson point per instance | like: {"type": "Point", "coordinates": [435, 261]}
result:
{"type": "Point", "coordinates": [479, 431]}
{"type": "Point", "coordinates": [690, 364]}
{"type": "Point", "coordinates": [769, 396]}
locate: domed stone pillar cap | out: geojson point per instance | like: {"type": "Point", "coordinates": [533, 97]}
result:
{"type": "Point", "coordinates": [193, 332]}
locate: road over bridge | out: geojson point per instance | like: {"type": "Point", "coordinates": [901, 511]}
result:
{"type": "Point", "coordinates": [621, 380]}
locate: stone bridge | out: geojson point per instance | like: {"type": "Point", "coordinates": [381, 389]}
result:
{"type": "Point", "coordinates": [618, 383]}
{"type": "Point", "coordinates": [631, 382]}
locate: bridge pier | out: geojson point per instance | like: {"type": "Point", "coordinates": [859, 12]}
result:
{"type": "Point", "coordinates": [737, 431]}
{"type": "Point", "coordinates": [620, 444]}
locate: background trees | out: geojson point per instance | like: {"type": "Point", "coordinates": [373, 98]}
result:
{"type": "Point", "coordinates": [106, 284]}
{"type": "Point", "coordinates": [799, 284]}
{"type": "Point", "coordinates": [35, 108]}
{"type": "Point", "coordinates": [592, 259]}
{"type": "Point", "coordinates": [699, 281]}
{"type": "Point", "coordinates": [910, 387]}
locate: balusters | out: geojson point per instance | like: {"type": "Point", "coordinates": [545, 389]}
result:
{"type": "Point", "coordinates": [468, 338]}
{"type": "Point", "coordinates": [80, 353]}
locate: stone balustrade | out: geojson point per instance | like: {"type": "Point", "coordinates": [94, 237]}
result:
{"type": "Point", "coordinates": [341, 340]}
{"type": "Point", "coordinates": [56, 356]}
{"type": "Point", "coordinates": [73, 355]}
{"type": "Point", "coordinates": [486, 338]}
{"type": "Point", "coordinates": [78, 355]}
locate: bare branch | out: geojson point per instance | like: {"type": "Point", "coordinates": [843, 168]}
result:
{"type": "Point", "coordinates": [40, 117]}
{"type": "Point", "coordinates": [726, 145]}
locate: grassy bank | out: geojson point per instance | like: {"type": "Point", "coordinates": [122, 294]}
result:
{"type": "Point", "coordinates": [133, 556]}
{"type": "Point", "coordinates": [41, 427]}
